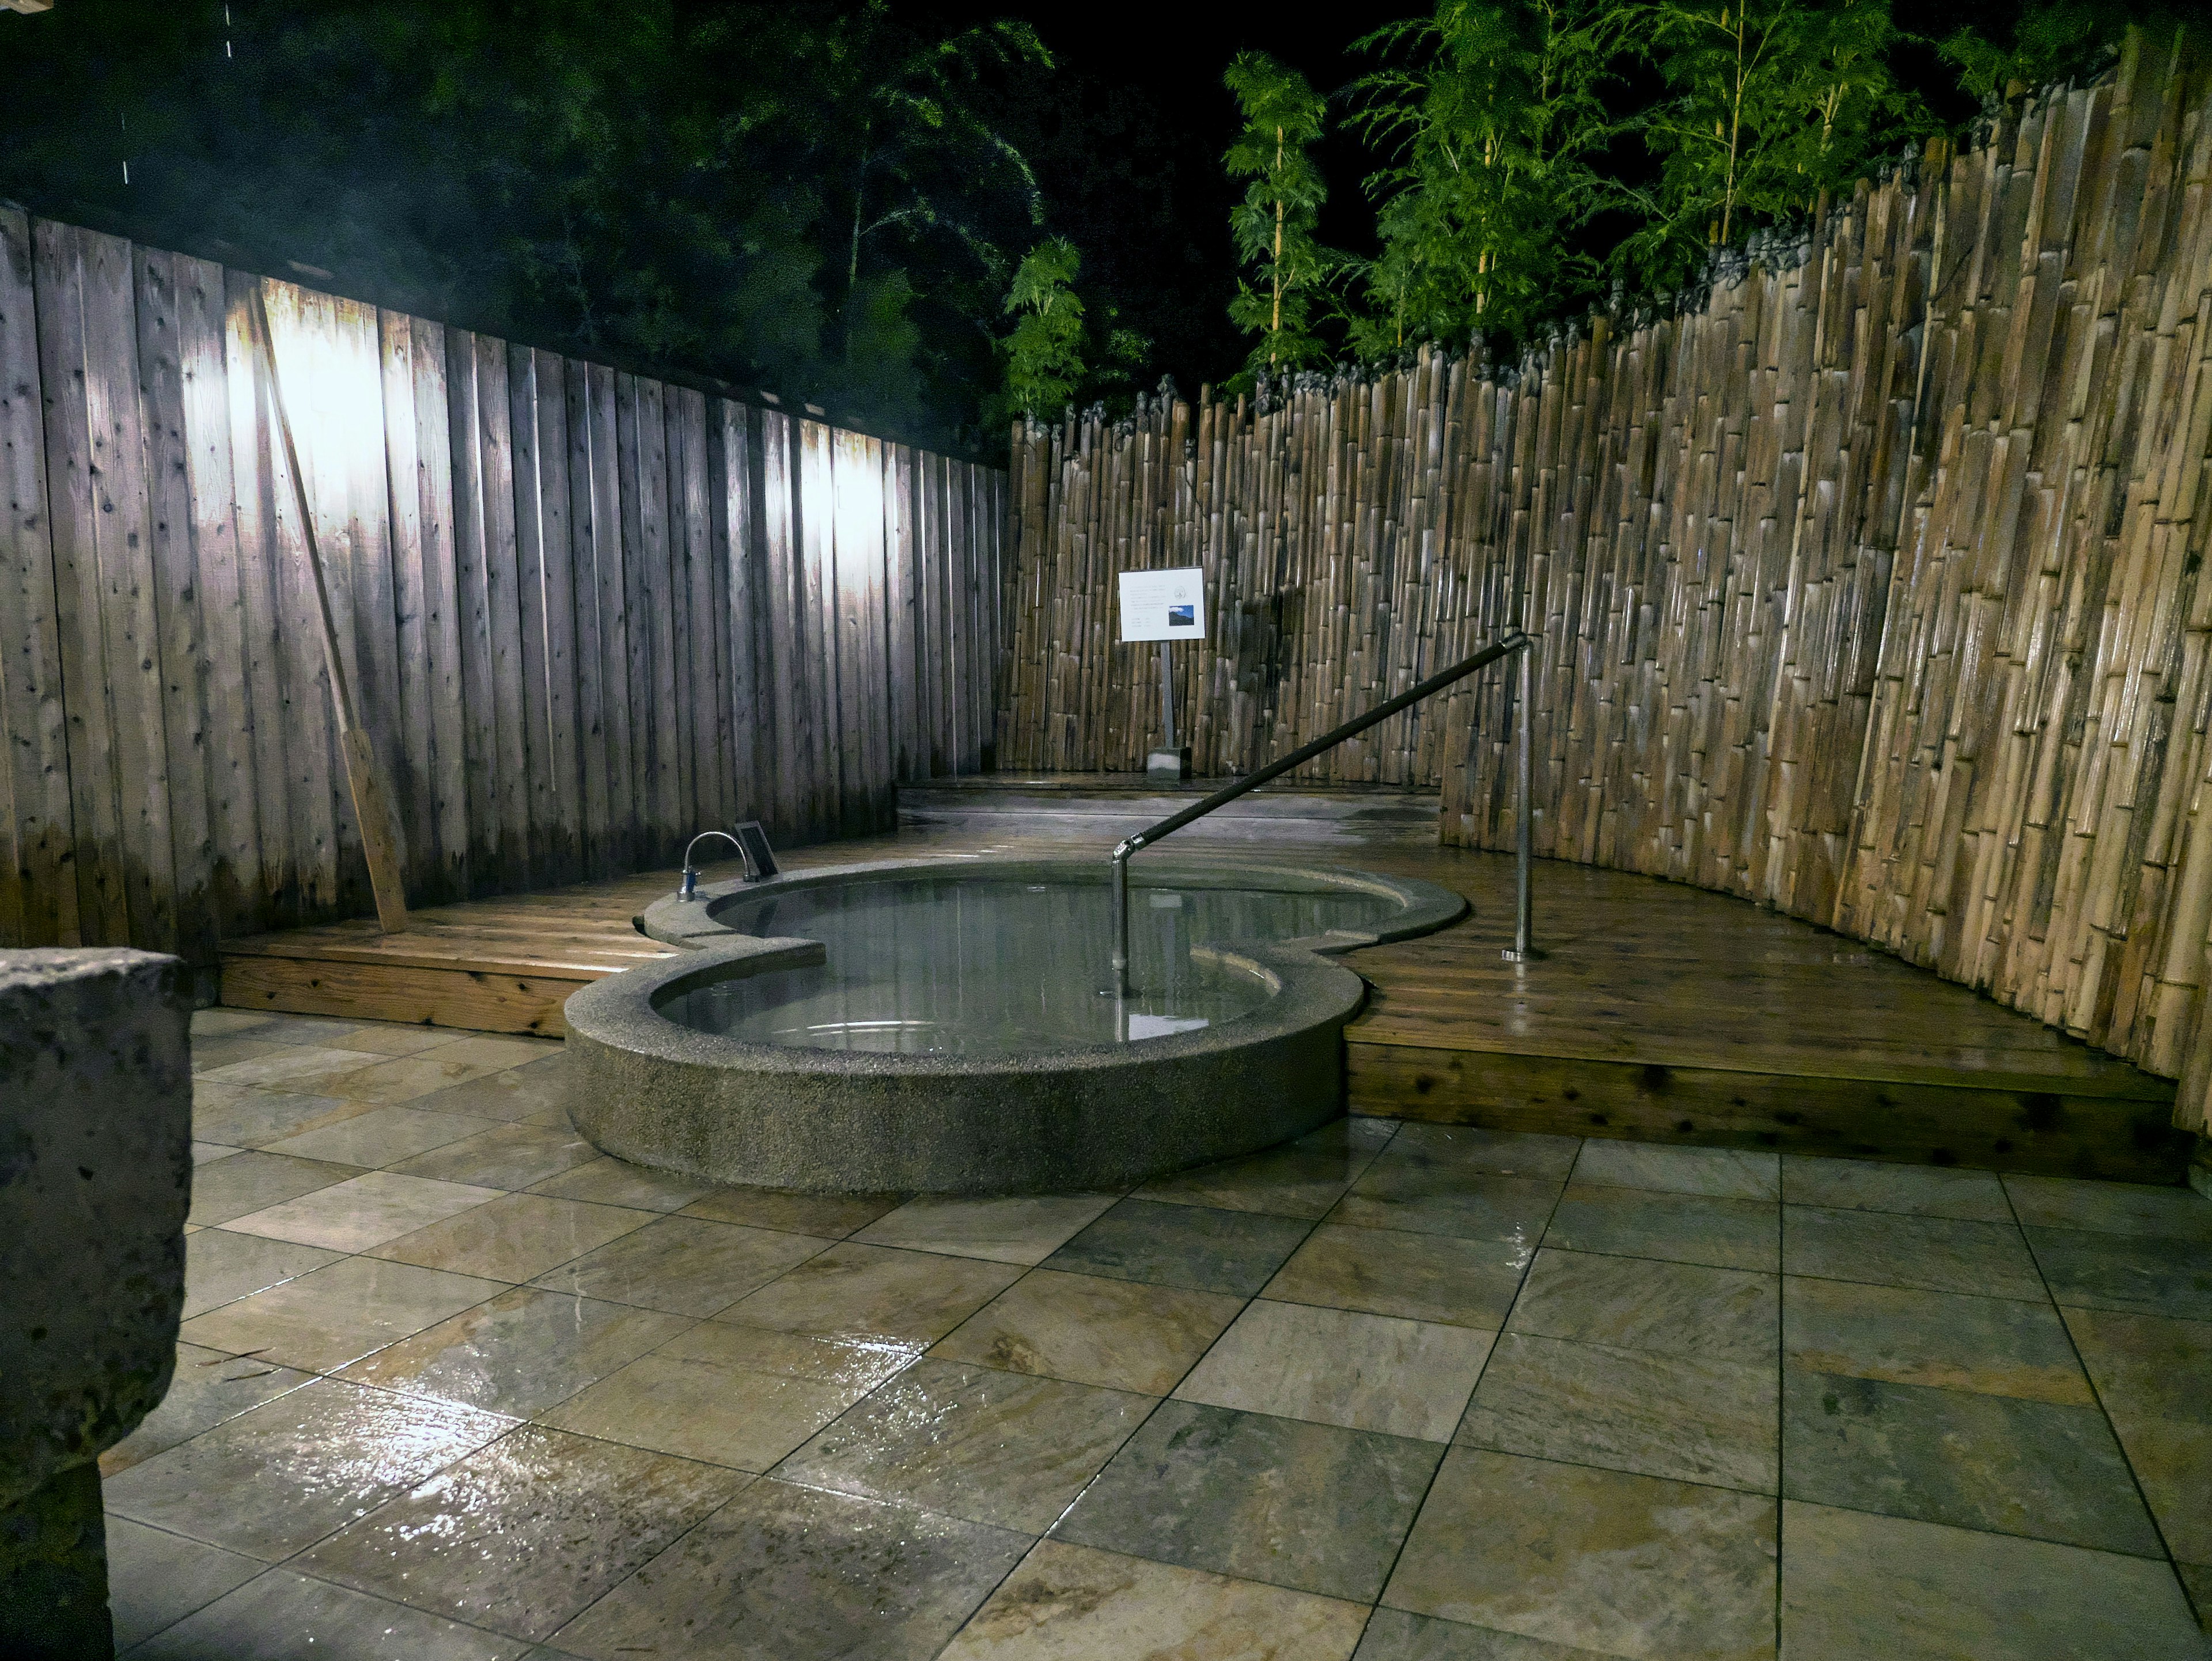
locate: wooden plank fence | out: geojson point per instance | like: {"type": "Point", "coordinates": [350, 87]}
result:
{"type": "Point", "coordinates": [587, 614]}
{"type": "Point", "coordinates": [1868, 585]}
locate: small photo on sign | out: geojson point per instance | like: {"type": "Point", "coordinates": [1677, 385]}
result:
{"type": "Point", "coordinates": [1168, 604]}
{"type": "Point", "coordinates": [1182, 617]}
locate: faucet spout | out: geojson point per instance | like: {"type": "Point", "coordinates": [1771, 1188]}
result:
{"type": "Point", "coordinates": [691, 889]}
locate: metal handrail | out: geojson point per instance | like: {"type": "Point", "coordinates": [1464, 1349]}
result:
{"type": "Point", "coordinates": [1523, 949]}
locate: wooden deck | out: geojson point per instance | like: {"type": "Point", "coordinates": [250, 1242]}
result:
{"type": "Point", "coordinates": [1659, 1012]}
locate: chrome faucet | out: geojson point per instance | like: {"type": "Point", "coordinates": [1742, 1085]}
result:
{"type": "Point", "coordinates": [691, 889]}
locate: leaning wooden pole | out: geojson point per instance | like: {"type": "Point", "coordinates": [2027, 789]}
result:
{"type": "Point", "coordinates": [372, 806]}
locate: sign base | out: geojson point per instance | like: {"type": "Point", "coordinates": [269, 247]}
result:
{"type": "Point", "coordinates": [1167, 764]}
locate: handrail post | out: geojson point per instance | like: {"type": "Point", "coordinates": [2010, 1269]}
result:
{"type": "Point", "coordinates": [1120, 902]}
{"type": "Point", "coordinates": [1524, 906]}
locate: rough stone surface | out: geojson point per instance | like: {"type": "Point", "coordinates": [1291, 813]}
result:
{"type": "Point", "coordinates": [95, 1178]}
{"type": "Point", "coordinates": [648, 1090]}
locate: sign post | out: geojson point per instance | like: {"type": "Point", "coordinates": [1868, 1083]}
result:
{"type": "Point", "coordinates": [1166, 606]}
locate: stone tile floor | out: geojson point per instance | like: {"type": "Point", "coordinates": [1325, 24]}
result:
{"type": "Point", "coordinates": [454, 1385]}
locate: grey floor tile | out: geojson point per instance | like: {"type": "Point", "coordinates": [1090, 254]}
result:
{"type": "Point", "coordinates": [1004, 1448]}
{"type": "Point", "coordinates": [209, 1153]}
{"type": "Point", "coordinates": [1909, 1190]}
{"type": "Point", "coordinates": [283, 1616]}
{"type": "Point", "coordinates": [2171, 1213]}
{"type": "Point", "coordinates": [221, 1266]}
{"type": "Point", "coordinates": [1284, 1182]}
{"type": "Point", "coordinates": [249, 1181]}
{"type": "Point", "coordinates": [1314, 1507]}
{"type": "Point", "coordinates": [1992, 1346]}
{"type": "Point", "coordinates": [831, 1216]}
{"type": "Point", "coordinates": [2153, 1377]}
{"type": "Point", "coordinates": [1341, 1366]}
{"type": "Point", "coordinates": [1117, 1335]}
{"type": "Point", "coordinates": [1073, 1603]}
{"type": "Point", "coordinates": [2143, 1274]}
{"type": "Point", "coordinates": [510, 1094]}
{"type": "Point", "coordinates": [1417, 1277]}
{"type": "Point", "coordinates": [363, 1212]}
{"type": "Point", "coordinates": [1428, 1196]}
{"type": "Point", "coordinates": [215, 1023]}
{"type": "Point", "coordinates": [506, 1156]}
{"type": "Point", "coordinates": [683, 1264]}
{"type": "Point", "coordinates": [875, 1293]}
{"type": "Point", "coordinates": [1020, 1229]}
{"type": "Point", "coordinates": [610, 1181]}
{"type": "Point", "coordinates": [156, 1579]}
{"type": "Point", "coordinates": [1500, 1152]}
{"type": "Point", "coordinates": [280, 1477]}
{"type": "Point", "coordinates": [1855, 1584]}
{"type": "Point", "coordinates": [381, 1136]}
{"type": "Point", "coordinates": [1394, 1635]}
{"type": "Point", "coordinates": [207, 1053]}
{"type": "Point", "coordinates": [337, 1314]}
{"type": "Point", "coordinates": [1725, 1173]}
{"type": "Point", "coordinates": [511, 1236]}
{"type": "Point", "coordinates": [1201, 1247]}
{"type": "Point", "coordinates": [1683, 1228]}
{"type": "Point", "coordinates": [304, 1067]}
{"type": "Point", "coordinates": [524, 1534]}
{"type": "Point", "coordinates": [877, 1582]}
{"type": "Point", "coordinates": [1934, 1254]}
{"type": "Point", "coordinates": [308, 1029]}
{"type": "Point", "coordinates": [1944, 1455]}
{"type": "Point", "coordinates": [1695, 1418]}
{"type": "Point", "coordinates": [1631, 1303]}
{"type": "Point", "coordinates": [1597, 1560]}
{"type": "Point", "coordinates": [2197, 1582]}
{"type": "Point", "coordinates": [520, 1353]}
{"type": "Point", "coordinates": [208, 1386]}
{"type": "Point", "coordinates": [742, 1396]}
{"type": "Point", "coordinates": [239, 1116]}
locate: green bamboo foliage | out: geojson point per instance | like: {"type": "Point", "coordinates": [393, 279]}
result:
{"type": "Point", "coordinates": [1280, 299]}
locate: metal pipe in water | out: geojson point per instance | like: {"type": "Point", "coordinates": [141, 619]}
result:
{"type": "Point", "coordinates": [1120, 902]}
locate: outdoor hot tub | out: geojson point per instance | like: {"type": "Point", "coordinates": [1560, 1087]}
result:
{"type": "Point", "coordinates": [952, 1027]}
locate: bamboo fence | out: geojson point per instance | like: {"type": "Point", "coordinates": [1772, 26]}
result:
{"type": "Point", "coordinates": [584, 613]}
{"type": "Point", "coordinates": [1868, 584]}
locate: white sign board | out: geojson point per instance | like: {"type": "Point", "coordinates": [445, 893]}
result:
{"type": "Point", "coordinates": [1163, 604]}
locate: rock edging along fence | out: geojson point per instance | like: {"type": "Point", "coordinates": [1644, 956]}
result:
{"type": "Point", "coordinates": [586, 613]}
{"type": "Point", "coordinates": [1869, 587]}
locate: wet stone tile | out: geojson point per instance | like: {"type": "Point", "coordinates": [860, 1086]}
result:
{"type": "Point", "coordinates": [877, 1582]}
{"type": "Point", "coordinates": [363, 1212]}
{"type": "Point", "coordinates": [1073, 1603]}
{"type": "Point", "coordinates": [389, 1038]}
{"type": "Point", "coordinates": [1907, 1190]}
{"type": "Point", "coordinates": [2154, 1376]}
{"type": "Point", "coordinates": [1981, 1462]}
{"type": "Point", "coordinates": [1991, 1346]}
{"type": "Point", "coordinates": [874, 1292]}
{"type": "Point", "coordinates": [514, 1237]}
{"type": "Point", "coordinates": [521, 1352]}
{"type": "Point", "coordinates": [1933, 1254]}
{"type": "Point", "coordinates": [1719, 1172]}
{"type": "Point", "coordinates": [1338, 1366]}
{"type": "Point", "coordinates": [1284, 1182]}
{"type": "Point", "coordinates": [243, 1118]}
{"type": "Point", "coordinates": [274, 1480]}
{"type": "Point", "coordinates": [1395, 1636]}
{"type": "Point", "coordinates": [215, 1023]}
{"type": "Point", "coordinates": [610, 1181]}
{"type": "Point", "coordinates": [2143, 1273]}
{"type": "Point", "coordinates": [526, 1533]}
{"type": "Point", "coordinates": [325, 1030]}
{"type": "Point", "coordinates": [221, 1266]}
{"type": "Point", "coordinates": [1022, 1230]}
{"type": "Point", "coordinates": [2170, 1213]}
{"type": "Point", "coordinates": [1002, 1448]}
{"type": "Point", "coordinates": [156, 1579]}
{"type": "Point", "coordinates": [294, 1065]}
{"type": "Point", "coordinates": [209, 1153]}
{"type": "Point", "coordinates": [732, 1395]}
{"type": "Point", "coordinates": [1424, 1196]}
{"type": "Point", "coordinates": [1597, 1560]}
{"type": "Point", "coordinates": [507, 1156]}
{"type": "Point", "coordinates": [337, 1314]}
{"type": "Point", "coordinates": [1692, 1418]}
{"type": "Point", "coordinates": [1314, 1507]}
{"type": "Point", "coordinates": [1500, 1152]}
{"type": "Point", "coordinates": [207, 1053]}
{"type": "Point", "coordinates": [2197, 1581]}
{"type": "Point", "coordinates": [1117, 1335]}
{"type": "Point", "coordinates": [1683, 1228]}
{"type": "Point", "coordinates": [1200, 1247]}
{"type": "Point", "coordinates": [831, 1216]}
{"type": "Point", "coordinates": [381, 1136]}
{"type": "Point", "coordinates": [1855, 1584]}
{"type": "Point", "coordinates": [250, 1181]}
{"type": "Point", "coordinates": [396, 1079]}
{"type": "Point", "coordinates": [683, 1265]}
{"type": "Point", "coordinates": [282, 1615]}
{"type": "Point", "coordinates": [208, 1386]}
{"type": "Point", "coordinates": [1416, 1277]}
{"type": "Point", "coordinates": [513, 1093]}
{"type": "Point", "coordinates": [1675, 1309]}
